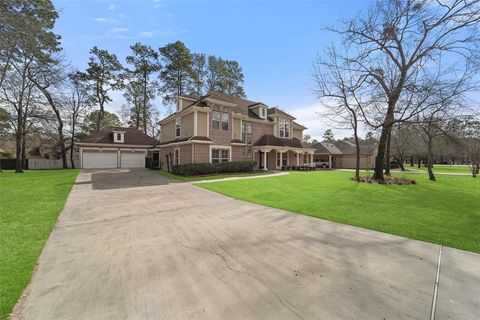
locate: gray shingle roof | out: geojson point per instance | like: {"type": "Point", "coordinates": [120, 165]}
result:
{"type": "Point", "coordinates": [326, 148]}
{"type": "Point", "coordinates": [271, 140]}
{"type": "Point", "coordinates": [242, 105]}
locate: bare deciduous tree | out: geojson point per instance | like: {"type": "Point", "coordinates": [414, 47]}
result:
{"type": "Point", "coordinates": [397, 43]}
{"type": "Point", "coordinates": [338, 88]}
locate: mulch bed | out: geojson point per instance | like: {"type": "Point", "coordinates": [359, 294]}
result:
{"type": "Point", "coordinates": [388, 180]}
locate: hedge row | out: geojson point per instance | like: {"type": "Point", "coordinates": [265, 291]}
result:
{"type": "Point", "coordinates": [196, 169]}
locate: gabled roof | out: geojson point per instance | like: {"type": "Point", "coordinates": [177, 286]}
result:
{"type": "Point", "coordinates": [348, 147]}
{"type": "Point", "coordinates": [271, 140]}
{"type": "Point", "coordinates": [326, 148]}
{"type": "Point", "coordinates": [342, 147]}
{"type": "Point", "coordinates": [238, 105]}
{"type": "Point", "coordinates": [132, 136]}
{"type": "Point", "coordinates": [275, 111]}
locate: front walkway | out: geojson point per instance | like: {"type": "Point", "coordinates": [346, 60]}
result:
{"type": "Point", "coordinates": [135, 245]}
{"type": "Point", "coordinates": [275, 174]}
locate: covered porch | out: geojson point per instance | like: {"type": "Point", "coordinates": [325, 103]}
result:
{"type": "Point", "coordinates": [282, 158]}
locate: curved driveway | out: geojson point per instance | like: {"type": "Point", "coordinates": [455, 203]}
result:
{"type": "Point", "coordinates": [135, 245]}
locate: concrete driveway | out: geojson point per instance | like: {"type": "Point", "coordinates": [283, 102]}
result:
{"type": "Point", "coordinates": [134, 245]}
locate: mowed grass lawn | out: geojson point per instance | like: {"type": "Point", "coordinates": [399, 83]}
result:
{"type": "Point", "coordinates": [29, 204]}
{"type": "Point", "coordinates": [443, 169]}
{"type": "Point", "coordinates": [445, 212]}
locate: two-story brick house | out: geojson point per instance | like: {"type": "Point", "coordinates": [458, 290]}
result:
{"type": "Point", "coordinates": [221, 128]}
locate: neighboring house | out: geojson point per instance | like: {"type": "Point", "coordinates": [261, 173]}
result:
{"type": "Point", "coordinates": [115, 147]}
{"type": "Point", "coordinates": [221, 128]}
{"type": "Point", "coordinates": [49, 151]}
{"type": "Point", "coordinates": [342, 154]}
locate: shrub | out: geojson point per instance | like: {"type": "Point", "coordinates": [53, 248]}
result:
{"type": "Point", "coordinates": [196, 169]}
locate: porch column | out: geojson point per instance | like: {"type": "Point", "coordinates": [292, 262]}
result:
{"type": "Point", "coordinates": [281, 160]}
{"type": "Point", "coordinates": [265, 159]}
{"type": "Point", "coordinates": [330, 161]}
{"type": "Point", "coordinates": [298, 159]}
{"type": "Point", "coordinates": [311, 158]}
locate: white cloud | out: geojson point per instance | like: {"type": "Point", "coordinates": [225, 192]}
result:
{"type": "Point", "coordinates": [316, 124]}
{"type": "Point", "coordinates": [112, 7]}
{"type": "Point", "coordinates": [116, 30]}
{"type": "Point", "coordinates": [147, 34]}
{"type": "Point", "coordinates": [100, 19]}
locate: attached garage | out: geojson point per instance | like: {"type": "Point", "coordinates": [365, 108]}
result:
{"type": "Point", "coordinates": [95, 159]}
{"type": "Point", "coordinates": [115, 147]}
{"type": "Point", "coordinates": [129, 159]}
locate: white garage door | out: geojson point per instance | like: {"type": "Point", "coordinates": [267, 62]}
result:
{"type": "Point", "coordinates": [132, 159]}
{"type": "Point", "coordinates": [99, 159]}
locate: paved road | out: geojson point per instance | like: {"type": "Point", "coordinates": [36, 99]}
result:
{"type": "Point", "coordinates": [134, 245]}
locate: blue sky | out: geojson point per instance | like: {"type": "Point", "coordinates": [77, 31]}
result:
{"type": "Point", "coordinates": [274, 41]}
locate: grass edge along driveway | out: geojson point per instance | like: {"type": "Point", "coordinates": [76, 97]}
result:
{"type": "Point", "coordinates": [30, 204]}
{"type": "Point", "coordinates": [444, 212]}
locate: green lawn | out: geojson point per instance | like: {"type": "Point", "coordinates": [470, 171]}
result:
{"type": "Point", "coordinates": [443, 169]}
{"type": "Point", "coordinates": [29, 206]}
{"type": "Point", "coordinates": [213, 176]}
{"type": "Point", "coordinates": [445, 212]}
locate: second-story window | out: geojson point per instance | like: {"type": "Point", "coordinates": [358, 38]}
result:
{"type": "Point", "coordinates": [178, 127]}
{"type": "Point", "coordinates": [284, 128]}
{"type": "Point", "coordinates": [225, 120]}
{"type": "Point", "coordinates": [220, 120]}
{"type": "Point", "coordinates": [216, 117]}
{"type": "Point", "coordinates": [247, 137]}
{"type": "Point", "coordinates": [246, 132]}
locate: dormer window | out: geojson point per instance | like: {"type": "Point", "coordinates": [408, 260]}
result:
{"type": "Point", "coordinates": [118, 136]}
{"type": "Point", "coordinates": [263, 113]}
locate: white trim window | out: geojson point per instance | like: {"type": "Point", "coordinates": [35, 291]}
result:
{"type": "Point", "coordinates": [220, 155]}
{"type": "Point", "coordinates": [247, 137]}
{"type": "Point", "coordinates": [220, 120]}
{"type": "Point", "coordinates": [225, 120]}
{"type": "Point", "coordinates": [176, 156]}
{"type": "Point", "coordinates": [247, 132]}
{"type": "Point", "coordinates": [178, 127]}
{"type": "Point", "coordinates": [216, 118]}
{"type": "Point", "coordinates": [284, 128]}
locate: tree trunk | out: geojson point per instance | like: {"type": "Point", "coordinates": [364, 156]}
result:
{"type": "Point", "coordinates": [387, 153]}
{"type": "Point", "coordinates": [431, 176]}
{"type": "Point", "coordinates": [71, 141]}
{"type": "Point", "coordinates": [18, 141]}
{"type": "Point", "coordinates": [380, 158]}
{"type": "Point", "coordinates": [58, 115]}
{"type": "Point", "coordinates": [411, 162]}
{"type": "Point", "coordinates": [382, 143]}
{"type": "Point", "coordinates": [100, 117]}
{"type": "Point", "coordinates": [145, 102]}
{"type": "Point", "coordinates": [24, 148]}
{"type": "Point", "coordinates": [62, 146]}
{"type": "Point", "coordinates": [419, 162]}
{"type": "Point", "coordinates": [357, 147]}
